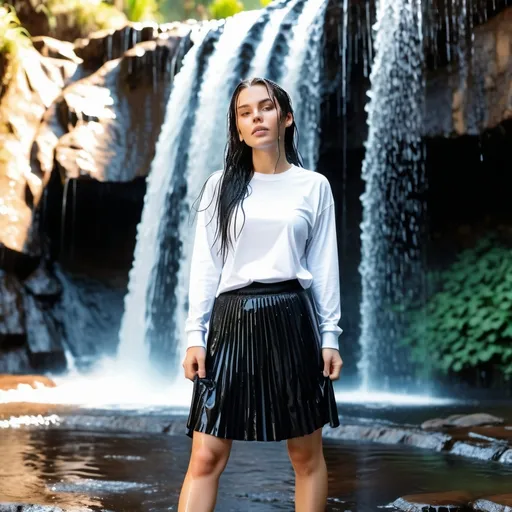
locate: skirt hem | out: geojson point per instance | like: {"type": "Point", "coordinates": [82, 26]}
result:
{"type": "Point", "coordinates": [190, 432]}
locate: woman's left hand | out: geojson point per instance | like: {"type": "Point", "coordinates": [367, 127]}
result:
{"type": "Point", "coordinates": [332, 363]}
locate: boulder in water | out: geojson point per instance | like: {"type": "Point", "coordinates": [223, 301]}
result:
{"type": "Point", "coordinates": [441, 501]}
{"type": "Point", "coordinates": [34, 381]}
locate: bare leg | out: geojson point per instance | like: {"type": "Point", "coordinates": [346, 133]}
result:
{"type": "Point", "coordinates": [208, 459]}
{"type": "Point", "coordinates": [307, 458]}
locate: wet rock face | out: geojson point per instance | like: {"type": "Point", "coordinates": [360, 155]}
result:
{"type": "Point", "coordinates": [114, 116]}
{"type": "Point", "coordinates": [30, 336]}
{"type": "Point", "coordinates": [474, 95]}
{"type": "Point", "coordinates": [67, 115]}
{"type": "Point", "coordinates": [465, 97]}
{"type": "Point", "coordinates": [34, 87]}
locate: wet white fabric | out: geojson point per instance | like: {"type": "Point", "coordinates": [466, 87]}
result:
{"type": "Point", "coordinates": [289, 232]}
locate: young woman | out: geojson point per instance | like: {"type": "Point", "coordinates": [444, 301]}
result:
{"type": "Point", "coordinates": [264, 303]}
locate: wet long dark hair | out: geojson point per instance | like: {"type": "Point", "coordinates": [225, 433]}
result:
{"type": "Point", "coordinates": [238, 167]}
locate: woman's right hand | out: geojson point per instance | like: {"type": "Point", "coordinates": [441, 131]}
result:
{"type": "Point", "coordinates": [194, 363]}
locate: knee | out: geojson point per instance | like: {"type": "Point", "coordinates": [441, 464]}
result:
{"type": "Point", "coordinates": [206, 462]}
{"type": "Point", "coordinates": [305, 462]}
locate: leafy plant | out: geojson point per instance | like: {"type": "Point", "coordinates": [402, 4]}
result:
{"type": "Point", "coordinates": [85, 15]}
{"type": "Point", "coordinates": [264, 3]}
{"type": "Point", "coordinates": [467, 322]}
{"type": "Point", "coordinates": [142, 10]}
{"type": "Point", "coordinates": [13, 37]}
{"type": "Point", "coordinates": [224, 8]}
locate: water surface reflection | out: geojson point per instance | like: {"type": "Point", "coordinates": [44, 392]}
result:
{"type": "Point", "coordinates": [143, 472]}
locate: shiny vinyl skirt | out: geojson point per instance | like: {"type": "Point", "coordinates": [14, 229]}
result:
{"type": "Point", "coordinates": [264, 379]}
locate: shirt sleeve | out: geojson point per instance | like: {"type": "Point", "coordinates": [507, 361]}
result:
{"type": "Point", "coordinates": [205, 268]}
{"type": "Point", "coordinates": [322, 260]}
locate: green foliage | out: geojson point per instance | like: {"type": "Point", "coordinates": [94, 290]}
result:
{"type": "Point", "coordinates": [467, 322]}
{"type": "Point", "coordinates": [264, 3]}
{"type": "Point", "coordinates": [142, 10]}
{"type": "Point", "coordinates": [85, 15]}
{"type": "Point", "coordinates": [224, 8]}
{"type": "Point", "coordinates": [12, 35]}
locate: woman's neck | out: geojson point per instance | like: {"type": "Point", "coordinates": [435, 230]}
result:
{"type": "Point", "coordinates": [265, 162]}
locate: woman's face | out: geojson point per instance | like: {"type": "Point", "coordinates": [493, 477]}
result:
{"type": "Point", "coordinates": [258, 119]}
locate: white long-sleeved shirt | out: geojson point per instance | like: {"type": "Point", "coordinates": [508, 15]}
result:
{"type": "Point", "coordinates": [289, 233]}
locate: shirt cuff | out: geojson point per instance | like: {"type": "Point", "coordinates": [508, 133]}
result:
{"type": "Point", "coordinates": [330, 340]}
{"type": "Point", "coordinates": [196, 339]}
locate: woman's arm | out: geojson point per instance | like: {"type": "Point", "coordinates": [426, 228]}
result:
{"type": "Point", "coordinates": [206, 267]}
{"type": "Point", "coordinates": [322, 260]}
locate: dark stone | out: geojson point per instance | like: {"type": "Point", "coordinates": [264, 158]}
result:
{"type": "Point", "coordinates": [12, 315]}
{"type": "Point", "coordinates": [44, 336]}
{"type": "Point", "coordinates": [451, 501]}
{"type": "Point", "coordinates": [15, 360]}
{"type": "Point", "coordinates": [42, 284]}
{"type": "Point", "coordinates": [390, 435]}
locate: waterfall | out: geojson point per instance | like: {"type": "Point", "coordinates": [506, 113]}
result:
{"type": "Point", "coordinates": [393, 210]}
{"type": "Point", "coordinates": [191, 147]}
{"type": "Point", "coordinates": [303, 77]}
{"type": "Point", "coordinates": [133, 348]}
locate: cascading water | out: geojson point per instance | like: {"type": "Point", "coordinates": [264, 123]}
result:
{"type": "Point", "coordinates": [305, 60]}
{"type": "Point", "coordinates": [392, 254]}
{"type": "Point", "coordinates": [133, 349]}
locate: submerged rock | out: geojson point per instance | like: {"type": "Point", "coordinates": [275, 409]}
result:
{"type": "Point", "coordinates": [462, 420]}
{"type": "Point", "coordinates": [451, 501]}
{"type": "Point", "coordinates": [482, 451]}
{"type": "Point", "coordinates": [390, 435]}
{"type": "Point", "coordinates": [498, 503]}
{"type": "Point", "coordinates": [506, 457]}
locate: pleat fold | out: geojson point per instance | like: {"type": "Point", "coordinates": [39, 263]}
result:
{"type": "Point", "coordinates": [264, 379]}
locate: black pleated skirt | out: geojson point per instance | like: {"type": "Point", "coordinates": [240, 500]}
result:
{"type": "Point", "coordinates": [264, 369]}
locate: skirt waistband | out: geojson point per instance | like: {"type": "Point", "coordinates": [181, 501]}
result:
{"type": "Point", "coordinates": [291, 285]}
